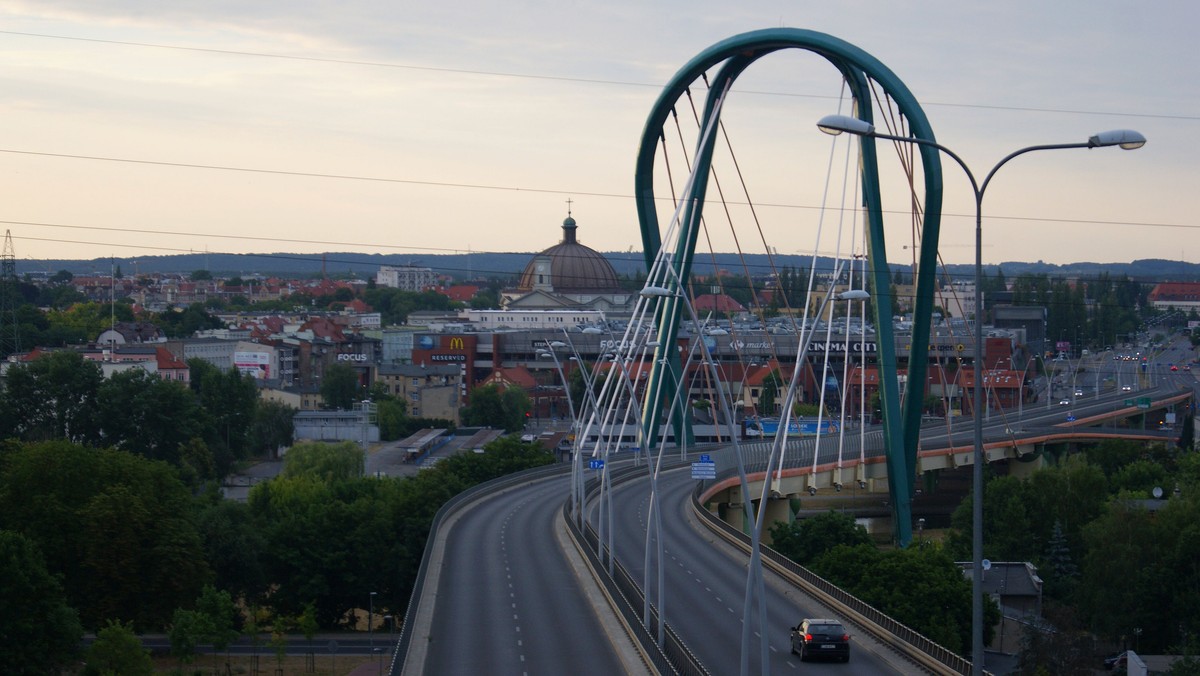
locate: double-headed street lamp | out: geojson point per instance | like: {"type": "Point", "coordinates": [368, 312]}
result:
{"type": "Point", "coordinates": [1124, 138]}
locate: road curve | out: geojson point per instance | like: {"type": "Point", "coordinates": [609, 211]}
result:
{"type": "Point", "coordinates": [705, 582]}
{"type": "Point", "coordinates": [511, 601]}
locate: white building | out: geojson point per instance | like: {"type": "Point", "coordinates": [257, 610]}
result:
{"type": "Point", "coordinates": [489, 320]}
{"type": "Point", "coordinates": [405, 277]}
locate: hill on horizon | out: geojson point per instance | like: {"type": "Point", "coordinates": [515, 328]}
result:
{"type": "Point", "coordinates": [483, 265]}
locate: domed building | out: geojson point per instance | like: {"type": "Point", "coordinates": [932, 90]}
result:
{"type": "Point", "coordinates": [569, 276]}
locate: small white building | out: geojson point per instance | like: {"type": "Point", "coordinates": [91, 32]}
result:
{"type": "Point", "coordinates": [490, 320]}
{"type": "Point", "coordinates": [405, 277]}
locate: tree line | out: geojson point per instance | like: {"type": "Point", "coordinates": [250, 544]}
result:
{"type": "Point", "coordinates": [105, 539]}
{"type": "Point", "coordinates": [1113, 560]}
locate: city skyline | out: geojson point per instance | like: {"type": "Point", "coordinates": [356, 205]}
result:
{"type": "Point", "coordinates": [429, 130]}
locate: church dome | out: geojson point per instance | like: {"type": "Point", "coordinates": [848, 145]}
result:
{"type": "Point", "coordinates": [569, 267]}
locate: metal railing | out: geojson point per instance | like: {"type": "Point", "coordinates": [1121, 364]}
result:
{"type": "Point", "coordinates": [922, 650]}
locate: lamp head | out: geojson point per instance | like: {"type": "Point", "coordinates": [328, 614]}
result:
{"type": "Point", "coordinates": [836, 124]}
{"type": "Point", "coordinates": [1128, 139]}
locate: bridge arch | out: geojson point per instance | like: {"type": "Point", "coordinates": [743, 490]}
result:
{"type": "Point", "coordinates": [865, 77]}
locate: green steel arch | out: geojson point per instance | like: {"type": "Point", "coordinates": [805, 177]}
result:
{"type": "Point", "coordinates": [901, 427]}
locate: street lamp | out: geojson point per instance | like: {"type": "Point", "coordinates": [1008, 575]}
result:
{"type": "Point", "coordinates": [370, 622]}
{"type": "Point", "coordinates": [1124, 138]}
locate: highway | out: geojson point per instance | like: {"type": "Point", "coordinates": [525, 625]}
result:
{"type": "Point", "coordinates": [705, 582]}
{"type": "Point", "coordinates": [510, 601]}
{"type": "Point", "coordinates": [513, 597]}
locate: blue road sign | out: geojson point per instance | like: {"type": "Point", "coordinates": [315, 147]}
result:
{"type": "Point", "coordinates": [595, 464]}
{"type": "Point", "coordinates": [1070, 418]}
{"type": "Point", "coordinates": [705, 458]}
{"type": "Point", "coordinates": [704, 470]}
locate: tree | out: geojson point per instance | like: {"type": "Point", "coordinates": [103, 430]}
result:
{"type": "Point", "coordinates": [39, 632]}
{"type": "Point", "coordinates": [273, 428]}
{"type": "Point", "coordinates": [804, 540]}
{"type": "Point", "coordinates": [327, 462]}
{"type": "Point", "coordinates": [185, 633]}
{"type": "Point", "coordinates": [117, 651]}
{"type": "Point", "coordinates": [52, 397]}
{"type": "Point", "coordinates": [219, 617]}
{"type": "Point", "coordinates": [229, 399]}
{"type": "Point", "coordinates": [201, 275]}
{"type": "Point", "coordinates": [340, 387]}
{"type": "Point", "coordinates": [117, 528]}
{"type": "Point", "coordinates": [920, 587]}
{"type": "Point", "coordinates": [147, 415]}
{"type": "Point", "coordinates": [485, 408]}
{"type": "Point", "coordinates": [391, 415]}
{"type": "Point", "coordinates": [235, 549]}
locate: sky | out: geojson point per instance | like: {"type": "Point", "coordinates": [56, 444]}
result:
{"type": "Point", "coordinates": [150, 127]}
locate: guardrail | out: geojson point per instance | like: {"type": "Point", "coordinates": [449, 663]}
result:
{"type": "Point", "coordinates": [908, 641]}
{"type": "Point", "coordinates": [628, 597]}
{"type": "Point", "coordinates": [454, 504]}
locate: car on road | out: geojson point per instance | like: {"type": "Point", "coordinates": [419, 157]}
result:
{"type": "Point", "coordinates": [1064, 402]}
{"type": "Point", "coordinates": [1126, 388]}
{"type": "Point", "coordinates": [820, 638]}
{"type": "Point", "coordinates": [1079, 393]}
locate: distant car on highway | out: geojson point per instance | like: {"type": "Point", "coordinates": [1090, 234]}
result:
{"type": "Point", "coordinates": [818, 637]}
{"type": "Point", "coordinates": [1126, 388]}
{"type": "Point", "coordinates": [1064, 402]}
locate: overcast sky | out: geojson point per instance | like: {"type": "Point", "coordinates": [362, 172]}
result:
{"type": "Point", "coordinates": [143, 127]}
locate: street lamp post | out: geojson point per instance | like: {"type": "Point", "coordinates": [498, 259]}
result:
{"type": "Point", "coordinates": [1124, 138]}
{"type": "Point", "coordinates": [370, 622]}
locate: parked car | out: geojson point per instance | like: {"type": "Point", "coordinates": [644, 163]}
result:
{"type": "Point", "coordinates": [820, 638]}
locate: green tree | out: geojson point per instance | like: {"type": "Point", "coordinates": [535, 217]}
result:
{"type": "Point", "coordinates": [147, 415]}
{"type": "Point", "coordinates": [235, 549]}
{"type": "Point", "coordinates": [220, 616]}
{"type": "Point", "coordinates": [229, 400]}
{"type": "Point", "coordinates": [920, 587]}
{"type": "Point", "coordinates": [391, 415]}
{"type": "Point", "coordinates": [274, 427]}
{"type": "Point", "coordinates": [52, 397]}
{"type": "Point", "coordinates": [39, 632]}
{"type": "Point", "coordinates": [117, 528]}
{"type": "Point", "coordinates": [340, 387]}
{"type": "Point", "coordinates": [804, 540]}
{"type": "Point", "coordinates": [117, 651]}
{"type": "Point", "coordinates": [185, 323]}
{"type": "Point", "coordinates": [185, 633]}
{"type": "Point", "coordinates": [327, 462]}
{"type": "Point", "coordinates": [201, 275]}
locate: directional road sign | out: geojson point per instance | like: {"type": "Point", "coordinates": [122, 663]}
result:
{"type": "Point", "coordinates": [704, 470]}
{"type": "Point", "coordinates": [595, 464]}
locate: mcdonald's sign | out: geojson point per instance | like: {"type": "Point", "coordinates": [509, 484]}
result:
{"type": "Point", "coordinates": [456, 343]}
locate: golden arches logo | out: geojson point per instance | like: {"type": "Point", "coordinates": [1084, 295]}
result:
{"type": "Point", "coordinates": [456, 343]}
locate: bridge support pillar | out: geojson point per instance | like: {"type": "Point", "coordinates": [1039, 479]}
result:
{"type": "Point", "coordinates": [777, 510]}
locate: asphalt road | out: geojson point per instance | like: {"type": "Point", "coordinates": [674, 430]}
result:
{"type": "Point", "coordinates": [509, 601]}
{"type": "Point", "coordinates": [705, 582]}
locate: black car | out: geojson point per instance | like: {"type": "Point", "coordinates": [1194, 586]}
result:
{"type": "Point", "coordinates": [821, 638]}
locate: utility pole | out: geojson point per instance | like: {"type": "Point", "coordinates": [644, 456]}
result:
{"type": "Point", "coordinates": [9, 292]}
